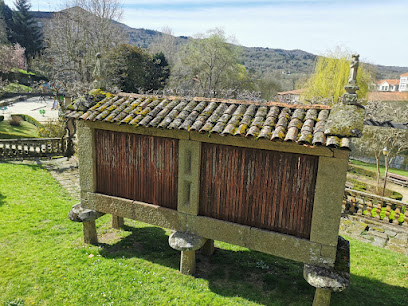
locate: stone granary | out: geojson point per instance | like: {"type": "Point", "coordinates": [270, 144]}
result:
{"type": "Point", "coordinates": [269, 177]}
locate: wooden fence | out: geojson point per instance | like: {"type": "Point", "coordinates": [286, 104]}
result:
{"type": "Point", "coordinates": [374, 206]}
{"type": "Point", "coordinates": [27, 148]}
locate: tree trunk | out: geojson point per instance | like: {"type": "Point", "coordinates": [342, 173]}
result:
{"type": "Point", "coordinates": [377, 161]}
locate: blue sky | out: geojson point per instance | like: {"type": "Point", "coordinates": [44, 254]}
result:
{"type": "Point", "coordinates": [375, 29]}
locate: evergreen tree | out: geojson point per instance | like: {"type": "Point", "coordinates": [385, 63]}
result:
{"type": "Point", "coordinates": [6, 24]}
{"type": "Point", "coordinates": [26, 31]}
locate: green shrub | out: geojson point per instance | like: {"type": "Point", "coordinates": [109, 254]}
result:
{"type": "Point", "coordinates": [383, 212]}
{"type": "Point", "coordinates": [396, 196]}
{"type": "Point", "coordinates": [15, 87]}
{"type": "Point", "coordinates": [357, 185]}
{"type": "Point", "coordinates": [52, 129]}
{"type": "Point", "coordinates": [401, 218]}
{"type": "Point", "coordinates": [360, 170]}
{"type": "Point", "coordinates": [29, 119]}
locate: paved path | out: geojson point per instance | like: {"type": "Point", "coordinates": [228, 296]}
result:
{"type": "Point", "coordinates": [65, 171]}
{"type": "Point", "coordinates": [32, 107]}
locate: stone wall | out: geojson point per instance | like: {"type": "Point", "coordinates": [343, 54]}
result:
{"type": "Point", "coordinates": [389, 236]}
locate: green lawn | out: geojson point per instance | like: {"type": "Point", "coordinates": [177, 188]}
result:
{"type": "Point", "coordinates": [43, 261]}
{"type": "Point", "coordinates": [373, 167]}
{"type": "Point", "coordinates": [24, 130]}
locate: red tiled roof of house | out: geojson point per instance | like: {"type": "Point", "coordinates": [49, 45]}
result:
{"type": "Point", "coordinates": [378, 96]}
{"type": "Point", "coordinates": [389, 81]}
{"type": "Point", "coordinates": [301, 124]}
{"type": "Point", "coordinates": [405, 74]}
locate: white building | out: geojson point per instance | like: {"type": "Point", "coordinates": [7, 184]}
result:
{"type": "Point", "coordinates": [403, 82]}
{"type": "Point", "coordinates": [388, 85]}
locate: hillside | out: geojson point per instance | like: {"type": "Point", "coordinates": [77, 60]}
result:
{"type": "Point", "coordinates": [287, 66]}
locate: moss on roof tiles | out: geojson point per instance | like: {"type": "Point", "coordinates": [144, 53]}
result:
{"type": "Point", "coordinates": [304, 125]}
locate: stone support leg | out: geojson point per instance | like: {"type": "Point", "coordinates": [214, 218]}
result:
{"type": "Point", "coordinates": [187, 263]}
{"type": "Point", "coordinates": [117, 222]}
{"type": "Point", "coordinates": [208, 248]}
{"type": "Point", "coordinates": [322, 297]}
{"type": "Point", "coordinates": [90, 236]}
{"type": "Point", "coordinates": [186, 243]}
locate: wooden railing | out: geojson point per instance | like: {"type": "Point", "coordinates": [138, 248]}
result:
{"type": "Point", "coordinates": [27, 148]}
{"type": "Point", "coordinates": [374, 206]}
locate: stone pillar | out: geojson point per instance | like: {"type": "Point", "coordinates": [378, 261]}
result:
{"type": "Point", "coordinates": [87, 217]}
{"type": "Point", "coordinates": [208, 248]}
{"type": "Point", "coordinates": [328, 279]}
{"type": "Point", "coordinates": [187, 262]}
{"type": "Point", "coordinates": [187, 244]}
{"type": "Point", "coordinates": [89, 229]}
{"type": "Point", "coordinates": [322, 297]}
{"type": "Point", "coordinates": [117, 222]}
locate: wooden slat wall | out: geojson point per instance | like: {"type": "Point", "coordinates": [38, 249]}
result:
{"type": "Point", "coordinates": [137, 167]}
{"type": "Point", "coordinates": [265, 189]}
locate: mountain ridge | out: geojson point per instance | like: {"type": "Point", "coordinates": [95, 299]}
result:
{"type": "Point", "coordinates": [287, 66]}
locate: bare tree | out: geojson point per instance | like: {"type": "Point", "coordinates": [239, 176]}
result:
{"type": "Point", "coordinates": [210, 64]}
{"type": "Point", "coordinates": [386, 141]}
{"type": "Point", "coordinates": [166, 43]}
{"type": "Point", "coordinates": [76, 34]}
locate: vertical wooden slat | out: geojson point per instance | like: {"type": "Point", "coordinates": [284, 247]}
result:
{"type": "Point", "coordinates": [265, 189]}
{"type": "Point", "coordinates": [137, 167]}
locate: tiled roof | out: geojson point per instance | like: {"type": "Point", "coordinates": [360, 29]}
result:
{"type": "Point", "coordinates": [387, 96]}
{"type": "Point", "coordinates": [404, 75]}
{"type": "Point", "coordinates": [389, 81]}
{"type": "Point", "coordinates": [300, 124]}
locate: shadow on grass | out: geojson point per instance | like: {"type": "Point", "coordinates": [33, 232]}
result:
{"type": "Point", "coordinates": [254, 276]}
{"type": "Point", "coordinates": [2, 199]}
{"type": "Point", "coordinates": [150, 243]}
{"type": "Point", "coordinates": [34, 167]}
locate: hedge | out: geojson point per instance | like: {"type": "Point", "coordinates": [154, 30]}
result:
{"type": "Point", "coordinates": [29, 119]}
{"type": "Point", "coordinates": [361, 170]}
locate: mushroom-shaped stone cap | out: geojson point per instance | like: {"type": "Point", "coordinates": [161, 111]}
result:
{"type": "Point", "coordinates": [185, 241]}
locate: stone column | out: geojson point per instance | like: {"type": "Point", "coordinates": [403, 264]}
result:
{"type": "Point", "coordinates": [89, 229]}
{"type": "Point", "coordinates": [187, 244]}
{"type": "Point", "coordinates": [187, 262]}
{"type": "Point", "coordinates": [328, 279]}
{"type": "Point", "coordinates": [322, 297]}
{"type": "Point", "coordinates": [117, 222]}
{"type": "Point", "coordinates": [208, 248]}
{"type": "Point", "coordinates": [87, 216]}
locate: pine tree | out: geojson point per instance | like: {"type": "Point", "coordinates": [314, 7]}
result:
{"type": "Point", "coordinates": [6, 24]}
{"type": "Point", "coordinates": [26, 31]}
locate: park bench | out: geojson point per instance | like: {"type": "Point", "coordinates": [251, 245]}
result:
{"type": "Point", "coordinates": [397, 179]}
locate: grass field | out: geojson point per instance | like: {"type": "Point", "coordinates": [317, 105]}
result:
{"type": "Point", "coordinates": [373, 167]}
{"type": "Point", "coordinates": [43, 261]}
{"type": "Point", "coordinates": [24, 130]}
